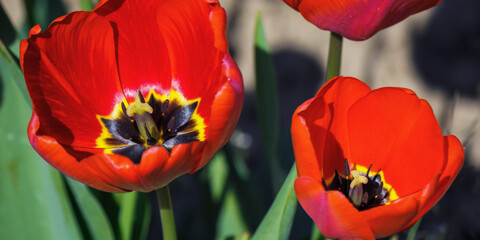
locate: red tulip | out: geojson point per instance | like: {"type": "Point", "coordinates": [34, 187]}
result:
{"type": "Point", "coordinates": [358, 19]}
{"type": "Point", "coordinates": [133, 94]}
{"type": "Point", "coordinates": [370, 163]}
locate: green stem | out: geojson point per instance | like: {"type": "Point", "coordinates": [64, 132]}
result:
{"type": "Point", "coordinates": [413, 230]}
{"type": "Point", "coordinates": [166, 213]}
{"type": "Point", "coordinates": [334, 56]}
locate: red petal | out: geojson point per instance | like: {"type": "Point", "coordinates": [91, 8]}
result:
{"type": "Point", "coordinates": [339, 94]}
{"type": "Point", "coordinates": [389, 219]}
{"type": "Point", "coordinates": [184, 49]}
{"type": "Point", "coordinates": [116, 170]}
{"type": "Point", "coordinates": [71, 76]}
{"type": "Point", "coordinates": [226, 107]}
{"type": "Point", "coordinates": [158, 168]}
{"type": "Point", "coordinates": [293, 3]}
{"type": "Point", "coordinates": [142, 51]}
{"type": "Point", "coordinates": [455, 155]}
{"type": "Point", "coordinates": [359, 20]}
{"type": "Point", "coordinates": [334, 215]}
{"type": "Point", "coordinates": [308, 137]}
{"type": "Point", "coordinates": [396, 132]}
{"type": "Point", "coordinates": [58, 157]}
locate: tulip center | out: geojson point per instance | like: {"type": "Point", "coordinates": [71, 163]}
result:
{"type": "Point", "coordinates": [157, 120]}
{"type": "Point", "coordinates": [363, 189]}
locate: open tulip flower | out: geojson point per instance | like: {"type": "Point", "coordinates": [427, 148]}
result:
{"type": "Point", "coordinates": [133, 94]}
{"type": "Point", "coordinates": [370, 163]}
{"type": "Point", "coordinates": [358, 19]}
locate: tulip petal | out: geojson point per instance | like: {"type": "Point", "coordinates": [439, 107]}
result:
{"type": "Point", "coordinates": [197, 49]}
{"type": "Point", "coordinates": [389, 219]}
{"type": "Point", "coordinates": [71, 75]}
{"type": "Point", "coordinates": [357, 19]}
{"type": "Point", "coordinates": [114, 169]}
{"type": "Point", "coordinates": [184, 47]}
{"type": "Point", "coordinates": [158, 167]}
{"type": "Point", "coordinates": [305, 132]}
{"type": "Point", "coordinates": [226, 107]}
{"type": "Point", "coordinates": [58, 157]}
{"type": "Point", "coordinates": [455, 156]}
{"type": "Point", "coordinates": [334, 215]}
{"type": "Point", "coordinates": [143, 61]}
{"type": "Point", "coordinates": [397, 132]}
{"type": "Point", "coordinates": [339, 94]}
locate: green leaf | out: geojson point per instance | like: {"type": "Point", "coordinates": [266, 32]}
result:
{"type": "Point", "coordinates": [412, 232]}
{"type": "Point", "coordinates": [12, 72]}
{"type": "Point", "coordinates": [217, 173]}
{"type": "Point", "coordinates": [93, 213]}
{"type": "Point", "coordinates": [33, 200]}
{"type": "Point", "coordinates": [267, 101]}
{"type": "Point", "coordinates": [134, 215]}
{"type": "Point", "coordinates": [230, 220]}
{"type": "Point", "coordinates": [277, 223]}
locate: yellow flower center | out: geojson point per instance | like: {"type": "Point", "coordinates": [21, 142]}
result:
{"type": "Point", "coordinates": [364, 188]}
{"type": "Point", "coordinates": [157, 120]}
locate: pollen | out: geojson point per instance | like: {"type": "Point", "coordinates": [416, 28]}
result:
{"type": "Point", "coordinates": [357, 179]}
{"type": "Point", "coordinates": [138, 107]}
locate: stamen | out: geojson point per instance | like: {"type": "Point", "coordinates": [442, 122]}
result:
{"type": "Point", "coordinates": [357, 179]}
{"type": "Point", "coordinates": [124, 109]}
{"type": "Point", "coordinates": [142, 100]}
{"type": "Point", "coordinates": [164, 106]}
{"type": "Point", "coordinates": [369, 167]}
{"type": "Point", "coordinates": [171, 124]}
{"type": "Point", "coordinates": [346, 168]}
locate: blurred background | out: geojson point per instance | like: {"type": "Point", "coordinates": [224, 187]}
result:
{"type": "Point", "coordinates": [435, 53]}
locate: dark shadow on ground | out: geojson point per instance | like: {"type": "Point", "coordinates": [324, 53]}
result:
{"type": "Point", "coordinates": [447, 52]}
{"type": "Point", "coordinates": [447, 56]}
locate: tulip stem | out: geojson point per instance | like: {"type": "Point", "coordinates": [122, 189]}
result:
{"type": "Point", "coordinates": [334, 56]}
{"type": "Point", "coordinates": [166, 213]}
{"type": "Point", "coordinates": [413, 230]}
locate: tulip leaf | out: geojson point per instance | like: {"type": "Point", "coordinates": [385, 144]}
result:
{"type": "Point", "coordinates": [92, 211]}
{"type": "Point", "coordinates": [34, 200]}
{"type": "Point", "coordinates": [12, 69]}
{"type": "Point", "coordinates": [217, 173]}
{"type": "Point", "coordinates": [230, 221]}
{"type": "Point", "coordinates": [134, 215]}
{"type": "Point", "coordinates": [412, 232]}
{"type": "Point", "coordinates": [277, 223]}
{"type": "Point", "coordinates": [267, 101]}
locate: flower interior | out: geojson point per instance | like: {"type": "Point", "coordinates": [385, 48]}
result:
{"type": "Point", "coordinates": [363, 188]}
{"type": "Point", "coordinates": [157, 120]}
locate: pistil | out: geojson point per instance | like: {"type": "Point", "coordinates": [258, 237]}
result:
{"type": "Point", "coordinates": [356, 188]}
{"type": "Point", "coordinates": [141, 112]}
